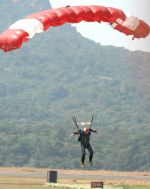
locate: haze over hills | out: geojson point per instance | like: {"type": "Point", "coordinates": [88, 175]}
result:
{"type": "Point", "coordinates": [58, 74]}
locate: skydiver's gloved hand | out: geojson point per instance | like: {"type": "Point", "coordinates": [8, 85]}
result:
{"type": "Point", "coordinates": [95, 131]}
{"type": "Point", "coordinates": [72, 134]}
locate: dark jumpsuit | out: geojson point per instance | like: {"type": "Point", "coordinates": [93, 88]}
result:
{"type": "Point", "coordinates": [85, 144]}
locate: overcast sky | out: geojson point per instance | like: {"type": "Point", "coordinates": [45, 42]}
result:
{"type": "Point", "coordinates": [104, 34]}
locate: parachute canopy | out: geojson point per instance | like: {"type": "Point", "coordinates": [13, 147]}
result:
{"type": "Point", "coordinates": [24, 29]}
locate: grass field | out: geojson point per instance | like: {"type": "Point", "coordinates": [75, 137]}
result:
{"type": "Point", "coordinates": [28, 186]}
{"type": "Point", "coordinates": [32, 183]}
{"type": "Point", "coordinates": [136, 187]}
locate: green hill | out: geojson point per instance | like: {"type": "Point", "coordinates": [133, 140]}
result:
{"type": "Point", "coordinates": [58, 74]}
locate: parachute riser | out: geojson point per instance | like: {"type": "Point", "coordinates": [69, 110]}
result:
{"type": "Point", "coordinates": [91, 121]}
{"type": "Point", "coordinates": [75, 121]}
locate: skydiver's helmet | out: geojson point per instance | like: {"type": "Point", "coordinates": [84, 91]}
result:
{"type": "Point", "coordinates": [86, 130]}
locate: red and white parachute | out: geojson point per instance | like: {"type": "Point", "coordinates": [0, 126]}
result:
{"type": "Point", "coordinates": [24, 29]}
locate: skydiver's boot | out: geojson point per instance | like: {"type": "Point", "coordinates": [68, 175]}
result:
{"type": "Point", "coordinates": [82, 160]}
{"type": "Point", "coordinates": [90, 159]}
{"type": "Point", "coordinates": [82, 165]}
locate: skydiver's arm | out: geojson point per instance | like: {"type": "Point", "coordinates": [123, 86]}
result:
{"type": "Point", "coordinates": [75, 133]}
{"type": "Point", "coordinates": [94, 131]}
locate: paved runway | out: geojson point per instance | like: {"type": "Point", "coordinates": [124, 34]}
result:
{"type": "Point", "coordinates": [62, 175]}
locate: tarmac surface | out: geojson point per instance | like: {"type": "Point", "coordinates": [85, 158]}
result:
{"type": "Point", "coordinates": [77, 176]}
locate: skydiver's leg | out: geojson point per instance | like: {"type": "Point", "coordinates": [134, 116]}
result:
{"type": "Point", "coordinates": [83, 154]}
{"type": "Point", "coordinates": [91, 153]}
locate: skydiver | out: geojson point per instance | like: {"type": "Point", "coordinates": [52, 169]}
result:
{"type": "Point", "coordinates": [84, 139]}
